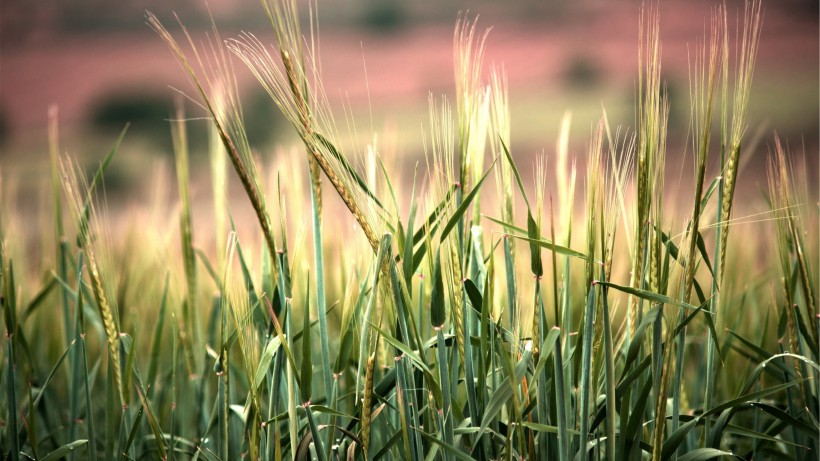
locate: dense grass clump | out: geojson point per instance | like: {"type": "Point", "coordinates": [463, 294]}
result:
{"type": "Point", "coordinates": [456, 323]}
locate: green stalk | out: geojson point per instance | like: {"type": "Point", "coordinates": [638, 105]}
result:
{"type": "Point", "coordinates": [412, 448]}
{"type": "Point", "coordinates": [76, 372]}
{"type": "Point", "coordinates": [678, 380]}
{"type": "Point", "coordinates": [714, 305]}
{"type": "Point", "coordinates": [560, 402]}
{"type": "Point", "coordinates": [113, 414]}
{"type": "Point", "coordinates": [446, 411]}
{"type": "Point", "coordinates": [61, 247]}
{"type": "Point", "coordinates": [291, 384]}
{"type": "Point", "coordinates": [609, 361]}
{"type": "Point", "coordinates": [366, 345]}
{"type": "Point", "coordinates": [190, 307]}
{"type": "Point", "coordinates": [542, 405]}
{"type": "Point", "coordinates": [174, 388]}
{"type": "Point", "coordinates": [509, 266]}
{"type": "Point", "coordinates": [334, 405]}
{"type": "Point", "coordinates": [314, 429]}
{"type": "Point", "coordinates": [10, 310]}
{"type": "Point", "coordinates": [585, 390]}
{"type": "Point", "coordinates": [567, 320]}
{"type": "Point", "coordinates": [223, 373]}
{"type": "Point", "coordinates": [157, 339]}
{"type": "Point", "coordinates": [321, 306]}
{"type": "Point", "coordinates": [80, 335]}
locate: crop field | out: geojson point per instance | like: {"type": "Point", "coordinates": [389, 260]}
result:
{"type": "Point", "coordinates": [652, 296]}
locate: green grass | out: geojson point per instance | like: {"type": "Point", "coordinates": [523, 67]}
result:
{"type": "Point", "coordinates": [353, 311]}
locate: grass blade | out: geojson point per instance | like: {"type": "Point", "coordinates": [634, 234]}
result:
{"type": "Point", "coordinates": [64, 450]}
{"type": "Point", "coordinates": [649, 296]}
{"type": "Point", "coordinates": [465, 204]}
{"type": "Point", "coordinates": [703, 454]}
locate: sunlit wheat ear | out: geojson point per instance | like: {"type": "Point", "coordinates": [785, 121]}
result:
{"type": "Point", "coordinates": [499, 134]}
{"type": "Point", "coordinates": [217, 77]}
{"type": "Point", "coordinates": [620, 168]}
{"type": "Point", "coordinates": [316, 129]}
{"type": "Point", "coordinates": [594, 202]}
{"type": "Point", "coordinates": [790, 242]}
{"type": "Point", "coordinates": [744, 71]}
{"type": "Point", "coordinates": [441, 164]}
{"type": "Point", "coordinates": [92, 242]}
{"type": "Point", "coordinates": [440, 154]}
{"type": "Point", "coordinates": [467, 62]}
{"type": "Point", "coordinates": [781, 194]}
{"type": "Point", "coordinates": [479, 126]}
{"type": "Point", "coordinates": [704, 86]}
{"type": "Point", "coordinates": [650, 125]}
{"type": "Point", "coordinates": [658, 206]}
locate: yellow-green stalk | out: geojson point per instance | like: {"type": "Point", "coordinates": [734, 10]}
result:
{"type": "Point", "coordinates": [191, 327]}
{"type": "Point", "coordinates": [219, 180]}
{"type": "Point", "coordinates": [566, 188]}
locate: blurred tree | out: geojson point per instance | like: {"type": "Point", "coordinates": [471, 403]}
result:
{"type": "Point", "coordinates": [4, 126]}
{"type": "Point", "coordinates": [383, 15]}
{"type": "Point", "coordinates": [582, 72]}
{"type": "Point", "coordinates": [147, 112]}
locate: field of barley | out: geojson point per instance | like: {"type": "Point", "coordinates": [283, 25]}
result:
{"type": "Point", "coordinates": [651, 295]}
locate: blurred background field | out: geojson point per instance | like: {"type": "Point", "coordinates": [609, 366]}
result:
{"type": "Point", "coordinates": [102, 66]}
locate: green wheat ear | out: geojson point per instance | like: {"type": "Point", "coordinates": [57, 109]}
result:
{"type": "Point", "coordinates": [90, 240]}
